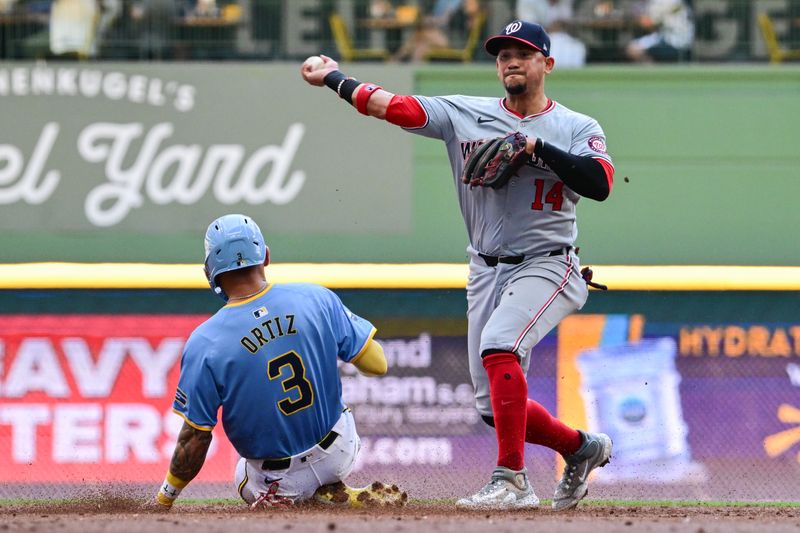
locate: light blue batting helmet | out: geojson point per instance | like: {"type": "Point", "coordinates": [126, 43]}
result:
{"type": "Point", "coordinates": [232, 242]}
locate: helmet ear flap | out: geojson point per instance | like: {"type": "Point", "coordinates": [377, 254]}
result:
{"type": "Point", "coordinates": [207, 270]}
{"type": "Point", "coordinates": [214, 287]}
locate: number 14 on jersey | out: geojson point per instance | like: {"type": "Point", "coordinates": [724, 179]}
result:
{"type": "Point", "coordinates": [554, 195]}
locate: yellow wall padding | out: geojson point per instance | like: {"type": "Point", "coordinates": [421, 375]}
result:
{"type": "Point", "coordinates": [386, 276]}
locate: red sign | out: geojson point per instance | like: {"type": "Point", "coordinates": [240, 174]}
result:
{"type": "Point", "coordinates": [89, 398]}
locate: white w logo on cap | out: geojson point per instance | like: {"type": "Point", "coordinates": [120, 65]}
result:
{"type": "Point", "coordinates": [514, 27]}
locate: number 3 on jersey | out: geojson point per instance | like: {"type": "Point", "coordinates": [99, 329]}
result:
{"type": "Point", "coordinates": [553, 197]}
{"type": "Point", "coordinates": [296, 380]}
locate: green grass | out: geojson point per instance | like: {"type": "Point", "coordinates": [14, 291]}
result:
{"type": "Point", "coordinates": [211, 501]}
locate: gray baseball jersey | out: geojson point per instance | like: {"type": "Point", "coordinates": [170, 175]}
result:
{"type": "Point", "coordinates": [513, 306]}
{"type": "Point", "coordinates": [535, 212]}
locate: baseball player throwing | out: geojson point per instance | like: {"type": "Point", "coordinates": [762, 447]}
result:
{"type": "Point", "coordinates": [269, 359]}
{"type": "Point", "coordinates": [520, 163]}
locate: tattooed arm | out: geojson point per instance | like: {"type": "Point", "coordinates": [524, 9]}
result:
{"type": "Point", "coordinates": [190, 452]}
{"type": "Point", "coordinates": [187, 460]}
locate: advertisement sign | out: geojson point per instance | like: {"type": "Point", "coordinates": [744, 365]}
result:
{"type": "Point", "coordinates": [89, 398]}
{"type": "Point", "coordinates": [113, 147]}
{"type": "Point", "coordinates": [711, 410]}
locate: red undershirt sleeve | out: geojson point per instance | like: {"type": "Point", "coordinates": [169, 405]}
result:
{"type": "Point", "coordinates": [406, 112]}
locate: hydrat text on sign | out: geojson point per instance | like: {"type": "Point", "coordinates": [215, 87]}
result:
{"type": "Point", "coordinates": [90, 398]}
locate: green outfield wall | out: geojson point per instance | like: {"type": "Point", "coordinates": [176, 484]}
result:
{"type": "Point", "coordinates": [707, 168]}
{"type": "Point", "coordinates": [706, 157]}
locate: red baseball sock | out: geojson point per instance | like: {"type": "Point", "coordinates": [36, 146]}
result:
{"type": "Point", "coordinates": [508, 389]}
{"type": "Point", "coordinates": [544, 429]}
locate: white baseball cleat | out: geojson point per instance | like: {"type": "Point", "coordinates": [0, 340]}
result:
{"type": "Point", "coordinates": [508, 489]}
{"type": "Point", "coordinates": [593, 453]}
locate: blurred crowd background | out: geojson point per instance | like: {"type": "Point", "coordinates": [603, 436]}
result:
{"type": "Point", "coordinates": [582, 31]}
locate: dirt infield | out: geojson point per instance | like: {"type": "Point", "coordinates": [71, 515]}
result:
{"type": "Point", "coordinates": [128, 515]}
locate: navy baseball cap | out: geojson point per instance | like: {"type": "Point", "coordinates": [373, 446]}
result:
{"type": "Point", "coordinates": [523, 32]}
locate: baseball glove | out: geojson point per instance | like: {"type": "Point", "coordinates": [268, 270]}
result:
{"type": "Point", "coordinates": [494, 162]}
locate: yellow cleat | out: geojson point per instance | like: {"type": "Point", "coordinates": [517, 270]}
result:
{"type": "Point", "coordinates": [376, 495]}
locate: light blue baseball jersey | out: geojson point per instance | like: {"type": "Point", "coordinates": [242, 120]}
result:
{"type": "Point", "coordinates": [270, 362]}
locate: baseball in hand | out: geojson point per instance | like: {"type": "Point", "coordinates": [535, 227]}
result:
{"type": "Point", "coordinates": [313, 63]}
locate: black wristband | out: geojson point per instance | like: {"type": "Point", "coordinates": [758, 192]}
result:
{"type": "Point", "coordinates": [333, 78]}
{"type": "Point", "coordinates": [347, 88]}
{"type": "Point", "coordinates": [538, 145]}
{"type": "Point", "coordinates": [342, 85]}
